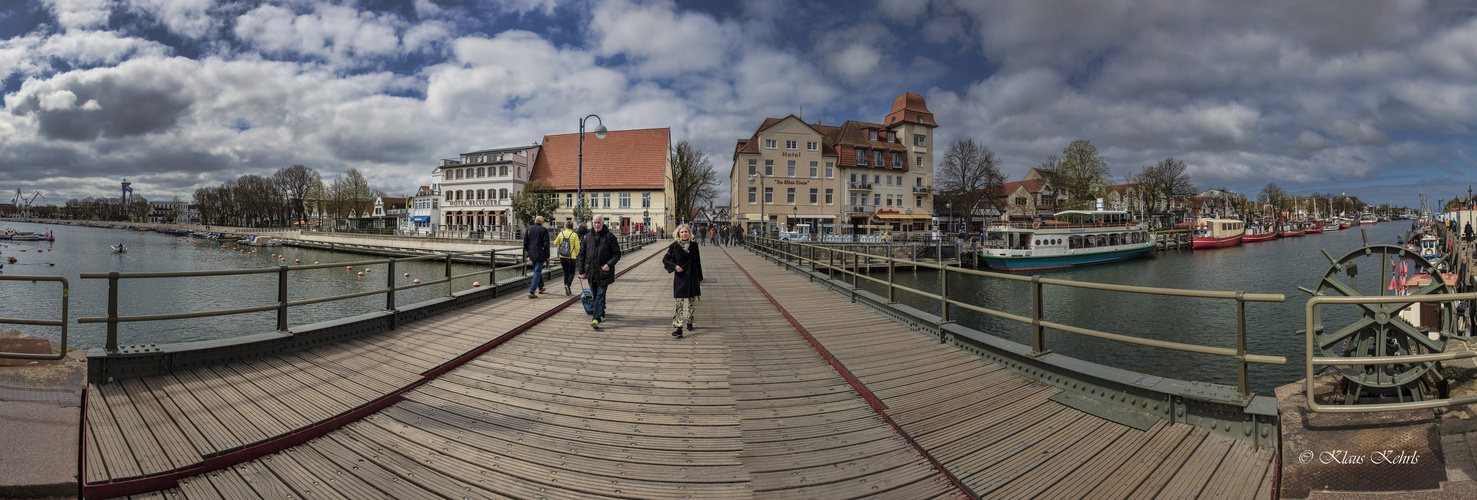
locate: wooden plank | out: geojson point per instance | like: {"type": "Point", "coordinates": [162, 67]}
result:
{"type": "Point", "coordinates": [97, 469]}
{"type": "Point", "coordinates": [189, 412]}
{"type": "Point", "coordinates": [998, 472]}
{"type": "Point", "coordinates": [1088, 476]}
{"type": "Point", "coordinates": [298, 478]}
{"type": "Point", "coordinates": [1165, 470]}
{"type": "Point", "coordinates": [270, 425]}
{"type": "Point", "coordinates": [1062, 464]}
{"type": "Point", "coordinates": [1192, 477]}
{"type": "Point", "coordinates": [348, 392]}
{"type": "Point", "coordinates": [229, 485]}
{"type": "Point", "coordinates": [242, 428]}
{"type": "Point", "coordinates": [291, 414]}
{"type": "Point", "coordinates": [420, 473]}
{"type": "Point", "coordinates": [178, 441]}
{"type": "Point", "coordinates": [331, 475]}
{"type": "Point", "coordinates": [264, 482]}
{"type": "Point", "coordinates": [112, 446]}
{"type": "Point", "coordinates": [198, 488]}
{"type": "Point", "coordinates": [1143, 462]}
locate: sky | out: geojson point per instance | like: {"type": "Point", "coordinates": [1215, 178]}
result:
{"type": "Point", "coordinates": [1376, 99]}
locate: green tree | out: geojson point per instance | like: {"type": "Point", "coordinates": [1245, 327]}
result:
{"type": "Point", "coordinates": [1083, 173]}
{"type": "Point", "coordinates": [536, 199]}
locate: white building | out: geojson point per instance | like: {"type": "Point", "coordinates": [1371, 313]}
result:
{"type": "Point", "coordinates": [425, 210]}
{"type": "Point", "coordinates": [477, 189]}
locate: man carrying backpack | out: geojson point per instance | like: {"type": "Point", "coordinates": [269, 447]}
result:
{"type": "Point", "coordinates": [568, 244]}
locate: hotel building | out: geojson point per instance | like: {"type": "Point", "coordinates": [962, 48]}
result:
{"type": "Point", "coordinates": [626, 177]}
{"type": "Point", "coordinates": [477, 188]}
{"type": "Point", "coordinates": [856, 178]}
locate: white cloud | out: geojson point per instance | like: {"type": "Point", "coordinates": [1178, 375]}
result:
{"type": "Point", "coordinates": [854, 62]}
{"type": "Point", "coordinates": [78, 14]}
{"type": "Point", "coordinates": [334, 32]}
{"type": "Point", "coordinates": [664, 43]}
{"type": "Point", "coordinates": [187, 18]}
{"type": "Point", "coordinates": [98, 47]}
{"type": "Point", "coordinates": [525, 6]}
{"type": "Point", "coordinates": [58, 99]}
{"type": "Point", "coordinates": [903, 10]}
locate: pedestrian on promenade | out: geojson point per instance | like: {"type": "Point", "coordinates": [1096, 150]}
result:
{"type": "Point", "coordinates": [685, 263]}
{"type": "Point", "coordinates": [568, 244]}
{"type": "Point", "coordinates": [582, 231]}
{"type": "Point", "coordinates": [1467, 232]}
{"type": "Point", "coordinates": [599, 252]}
{"type": "Point", "coordinates": [536, 247]}
{"type": "Point", "coordinates": [713, 235]}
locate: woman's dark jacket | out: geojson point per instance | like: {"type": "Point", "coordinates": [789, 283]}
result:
{"type": "Point", "coordinates": [685, 283]}
{"type": "Point", "coordinates": [596, 249]}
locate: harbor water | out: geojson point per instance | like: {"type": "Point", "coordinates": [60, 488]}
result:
{"type": "Point", "coordinates": [88, 250]}
{"type": "Point", "coordinates": [1275, 267]}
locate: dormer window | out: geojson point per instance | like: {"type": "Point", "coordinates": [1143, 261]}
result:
{"type": "Point", "coordinates": [861, 158]}
{"type": "Point", "coordinates": [872, 134]}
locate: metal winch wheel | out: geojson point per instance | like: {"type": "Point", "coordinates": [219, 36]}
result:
{"type": "Point", "coordinates": [1379, 330]}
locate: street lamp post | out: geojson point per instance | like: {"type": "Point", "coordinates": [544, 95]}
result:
{"type": "Point", "coordinates": [950, 205]}
{"type": "Point", "coordinates": [764, 222]}
{"type": "Point", "coordinates": [580, 180]}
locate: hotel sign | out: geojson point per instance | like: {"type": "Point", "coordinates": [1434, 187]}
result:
{"type": "Point", "coordinates": [792, 182]}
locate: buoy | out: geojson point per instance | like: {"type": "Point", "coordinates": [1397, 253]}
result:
{"type": "Point", "coordinates": [366, 269]}
{"type": "Point", "coordinates": [416, 281]}
{"type": "Point", "coordinates": [315, 262]}
{"type": "Point", "coordinates": [297, 261]}
{"type": "Point", "coordinates": [476, 284]}
{"type": "Point", "coordinates": [361, 274]}
{"type": "Point", "coordinates": [349, 267]}
{"type": "Point", "coordinates": [407, 275]}
{"type": "Point", "coordinates": [53, 264]}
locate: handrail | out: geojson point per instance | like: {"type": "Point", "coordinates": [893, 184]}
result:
{"type": "Point", "coordinates": [1312, 310]}
{"type": "Point", "coordinates": [282, 304]}
{"type": "Point", "coordinates": [66, 298]}
{"type": "Point", "coordinates": [1036, 320]}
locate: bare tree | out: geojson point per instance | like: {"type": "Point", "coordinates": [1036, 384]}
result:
{"type": "Point", "coordinates": [1274, 196]}
{"type": "Point", "coordinates": [693, 181]}
{"type": "Point", "coordinates": [358, 194]}
{"type": "Point", "coordinates": [970, 174]}
{"type": "Point", "coordinates": [1163, 181]}
{"type": "Point", "coordinates": [295, 182]}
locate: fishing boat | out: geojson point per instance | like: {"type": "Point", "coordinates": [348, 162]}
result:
{"type": "Point", "coordinates": [1429, 246]}
{"type": "Point", "coordinates": [1075, 238]}
{"type": "Point", "coordinates": [1216, 233]}
{"type": "Point", "coordinates": [1259, 232]}
{"type": "Point", "coordinates": [1291, 228]}
{"type": "Point", "coordinates": [1367, 220]}
{"type": "Point", "coordinates": [1313, 226]}
{"type": "Point", "coordinates": [1345, 224]}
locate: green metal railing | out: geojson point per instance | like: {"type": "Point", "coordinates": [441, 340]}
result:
{"type": "Point", "coordinates": [816, 256]}
{"type": "Point", "coordinates": [283, 304]}
{"type": "Point", "coordinates": [1311, 314]}
{"type": "Point", "coordinates": [66, 297]}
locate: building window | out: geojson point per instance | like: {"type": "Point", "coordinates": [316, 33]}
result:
{"type": "Point", "coordinates": [480, 195]}
{"type": "Point", "coordinates": [918, 181]}
{"type": "Point", "coordinates": [791, 168]}
{"type": "Point", "coordinates": [829, 166]}
{"type": "Point", "coordinates": [889, 200]}
{"type": "Point", "coordinates": [607, 201]}
{"type": "Point", "coordinates": [861, 158]}
{"type": "Point", "coordinates": [458, 173]}
{"type": "Point", "coordinates": [520, 172]}
{"type": "Point", "coordinates": [853, 177]}
{"type": "Point", "coordinates": [479, 172]}
{"type": "Point", "coordinates": [872, 135]}
{"type": "Point", "coordinates": [920, 161]}
{"type": "Point", "coordinates": [768, 168]}
{"type": "Point", "coordinates": [790, 195]}
{"type": "Point", "coordinates": [771, 144]}
{"type": "Point", "coordinates": [645, 200]}
{"type": "Point", "coordinates": [502, 194]}
{"type": "Point", "coordinates": [918, 140]}
{"type": "Point", "coordinates": [753, 167]}
{"type": "Point", "coordinates": [769, 196]}
{"type": "Point", "coordinates": [876, 199]}
{"type": "Point", "coordinates": [829, 196]}
{"type": "Point", "coordinates": [625, 200]}
{"type": "Point", "coordinates": [853, 199]}
{"type": "Point", "coordinates": [813, 167]}
{"type": "Point", "coordinates": [568, 200]}
{"type": "Point", "coordinates": [812, 145]}
{"type": "Point", "coordinates": [920, 201]}
{"type": "Point", "coordinates": [897, 160]}
{"type": "Point", "coordinates": [752, 193]}
{"type": "Point", "coordinates": [814, 195]}
{"type": "Point", "coordinates": [791, 144]}
{"type": "Point", "coordinates": [878, 156]}
{"type": "Point", "coordinates": [876, 179]}
{"type": "Point", "coordinates": [889, 180]}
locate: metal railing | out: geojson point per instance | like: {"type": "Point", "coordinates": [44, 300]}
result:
{"type": "Point", "coordinates": [811, 255]}
{"type": "Point", "coordinates": [282, 304]}
{"type": "Point", "coordinates": [66, 297]}
{"type": "Point", "coordinates": [1311, 313]}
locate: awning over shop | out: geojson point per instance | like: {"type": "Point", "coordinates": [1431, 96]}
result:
{"type": "Point", "coordinates": [421, 218]}
{"type": "Point", "coordinates": [900, 216]}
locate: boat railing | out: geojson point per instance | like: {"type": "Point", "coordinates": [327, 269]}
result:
{"type": "Point", "coordinates": [1063, 225]}
{"type": "Point", "coordinates": [1311, 316]}
{"type": "Point", "coordinates": [834, 262]}
{"type": "Point", "coordinates": [66, 297]}
{"type": "Point", "coordinates": [282, 304]}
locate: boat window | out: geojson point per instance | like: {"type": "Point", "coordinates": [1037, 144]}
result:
{"type": "Point", "coordinates": [1074, 242]}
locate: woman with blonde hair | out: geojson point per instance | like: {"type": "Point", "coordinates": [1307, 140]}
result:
{"type": "Point", "coordinates": [685, 263]}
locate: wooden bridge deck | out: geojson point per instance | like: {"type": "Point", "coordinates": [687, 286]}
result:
{"type": "Point", "coordinates": [743, 407]}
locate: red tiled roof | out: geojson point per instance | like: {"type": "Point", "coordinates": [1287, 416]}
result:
{"type": "Point", "coordinates": [624, 159]}
{"type": "Point", "coordinates": [910, 107]}
{"type": "Point", "coordinates": [1032, 186]}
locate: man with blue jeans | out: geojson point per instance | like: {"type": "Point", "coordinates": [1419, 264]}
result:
{"type": "Point", "coordinates": [599, 253]}
{"type": "Point", "coordinates": [536, 246]}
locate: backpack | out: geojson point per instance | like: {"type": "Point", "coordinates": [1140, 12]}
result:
{"type": "Point", "coordinates": [564, 248]}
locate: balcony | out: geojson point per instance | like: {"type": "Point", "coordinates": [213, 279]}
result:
{"type": "Point", "coordinates": [858, 209]}
{"type": "Point", "coordinates": [923, 189]}
{"type": "Point", "coordinates": [860, 186]}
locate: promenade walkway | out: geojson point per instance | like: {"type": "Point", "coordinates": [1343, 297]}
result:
{"type": "Point", "coordinates": [745, 406]}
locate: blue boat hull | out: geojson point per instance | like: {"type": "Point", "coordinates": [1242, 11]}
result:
{"type": "Point", "coordinates": [1034, 263]}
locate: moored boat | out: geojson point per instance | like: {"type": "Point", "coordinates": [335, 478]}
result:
{"type": "Point", "coordinates": [1367, 220]}
{"type": "Point", "coordinates": [1217, 233]}
{"type": "Point", "coordinates": [1291, 228]}
{"type": "Point", "coordinates": [1076, 238]}
{"type": "Point", "coordinates": [25, 236]}
{"type": "Point", "coordinates": [1259, 232]}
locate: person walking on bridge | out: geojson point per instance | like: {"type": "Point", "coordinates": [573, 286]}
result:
{"type": "Point", "coordinates": [599, 253]}
{"type": "Point", "coordinates": [685, 263]}
{"type": "Point", "coordinates": [536, 246]}
{"type": "Point", "coordinates": [568, 244]}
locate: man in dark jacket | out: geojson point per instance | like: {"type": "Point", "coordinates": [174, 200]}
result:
{"type": "Point", "coordinates": [599, 252]}
{"type": "Point", "coordinates": [536, 246]}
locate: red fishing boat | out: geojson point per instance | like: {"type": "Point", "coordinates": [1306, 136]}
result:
{"type": "Point", "coordinates": [1216, 233]}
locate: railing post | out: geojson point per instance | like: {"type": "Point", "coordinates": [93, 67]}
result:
{"type": "Point", "coordinates": [492, 270]}
{"type": "Point", "coordinates": [449, 290]}
{"type": "Point", "coordinates": [1038, 309]}
{"type": "Point", "coordinates": [890, 266]}
{"type": "Point", "coordinates": [112, 344]}
{"type": "Point", "coordinates": [282, 298]}
{"type": "Point", "coordinates": [1242, 384]}
{"type": "Point", "coordinates": [390, 286]}
{"type": "Point", "coordinates": [944, 296]}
